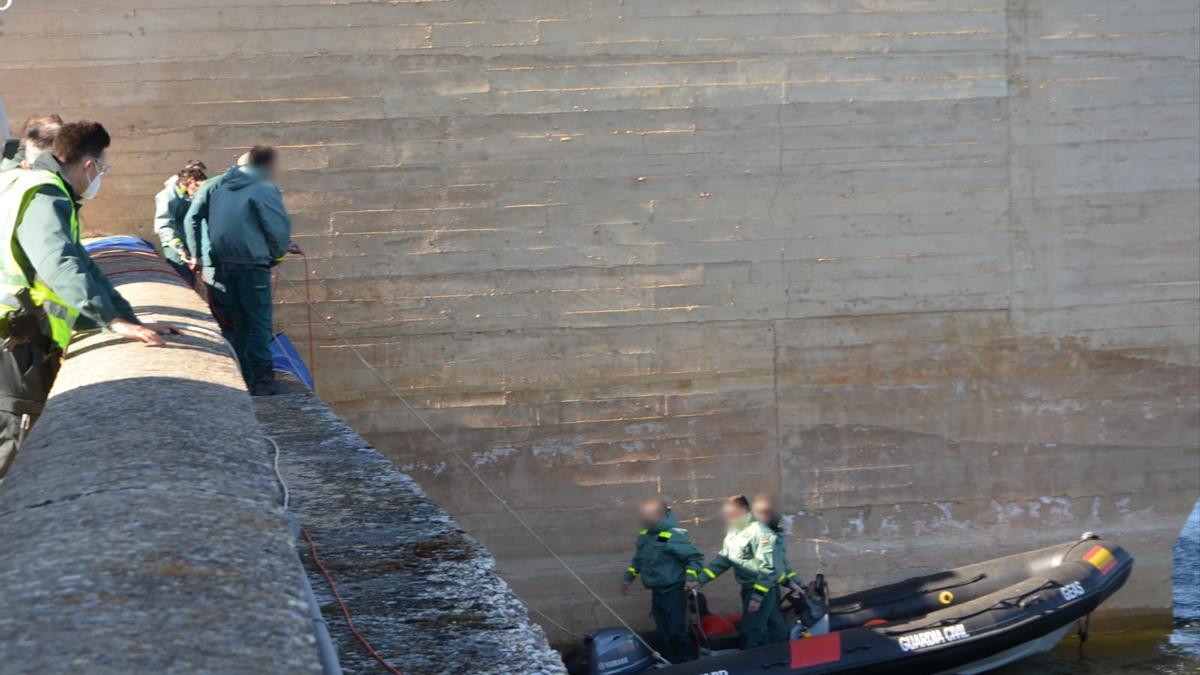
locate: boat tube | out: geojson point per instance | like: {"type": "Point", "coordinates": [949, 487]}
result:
{"type": "Point", "coordinates": [966, 620]}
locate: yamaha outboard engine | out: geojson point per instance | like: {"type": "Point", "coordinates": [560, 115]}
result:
{"type": "Point", "coordinates": [616, 651]}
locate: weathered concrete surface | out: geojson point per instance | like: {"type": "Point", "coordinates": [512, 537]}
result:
{"type": "Point", "coordinates": [928, 267]}
{"type": "Point", "coordinates": [424, 593]}
{"type": "Point", "coordinates": [140, 526]}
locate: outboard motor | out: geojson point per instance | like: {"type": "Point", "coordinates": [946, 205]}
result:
{"type": "Point", "coordinates": [616, 651]}
{"type": "Point", "coordinates": [813, 609]}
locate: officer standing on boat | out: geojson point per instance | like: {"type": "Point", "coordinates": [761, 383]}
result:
{"type": "Point", "coordinates": [49, 286]}
{"type": "Point", "coordinates": [765, 512]}
{"type": "Point", "coordinates": [170, 206]}
{"type": "Point", "coordinates": [665, 560]}
{"type": "Point", "coordinates": [749, 548]}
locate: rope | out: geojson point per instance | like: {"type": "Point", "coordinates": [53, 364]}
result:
{"type": "Point", "coordinates": [287, 495]}
{"type": "Point", "coordinates": [470, 469]}
{"type": "Point", "coordinates": [333, 589]}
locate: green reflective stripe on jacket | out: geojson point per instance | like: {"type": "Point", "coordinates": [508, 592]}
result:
{"type": "Point", "coordinates": [664, 556]}
{"type": "Point", "coordinates": [782, 565]}
{"type": "Point", "coordinates": [17, 191]}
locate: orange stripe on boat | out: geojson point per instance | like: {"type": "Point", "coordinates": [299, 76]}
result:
{"type": "Point", "coordinates": [814, 651]}
{"type": "Point", "coordinates": [1101, 559]}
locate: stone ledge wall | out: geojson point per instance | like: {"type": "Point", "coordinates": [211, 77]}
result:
{"type": "Point", "coordinates": [140, 523]}
{"type": "Point", "coordinates": [423, 591]}
{"type": "Point", "coordinates": [926, 267]}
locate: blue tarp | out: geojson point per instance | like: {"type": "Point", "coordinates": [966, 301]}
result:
{"type": "Point", "coordinates": [119, 243]}
{"type": "Point", "coordinates": [284, 356]}
{"type": "Point", "coordinates": [286, 359]}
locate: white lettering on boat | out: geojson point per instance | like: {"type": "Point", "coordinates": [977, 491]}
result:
{"type": "Point", "coordinates": [933, 638]}
{"type": "Point", "coordinates": [605, 665]}
{"type": "Point", "coordinates": [1072, 590]}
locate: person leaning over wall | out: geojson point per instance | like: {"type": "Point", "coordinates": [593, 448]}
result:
{"type": "Point", "coordinates": [37, 139]}
{"type": "Point", "coordinates": [49, 286]}
{"type": "Point", "coordinates": [251, 232]}
{"type": "Point", "coordinates": [171, 205]}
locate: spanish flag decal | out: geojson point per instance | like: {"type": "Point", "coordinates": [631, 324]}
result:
{"type": "Point", "coordinates": [1101, 559]}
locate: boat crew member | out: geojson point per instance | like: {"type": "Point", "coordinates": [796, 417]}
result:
{"type": "Point", "coordinates": [37, 139]}
{"type": "Point", "coordinates": [170, 206]}
{"type": "Point", "coordinates": [49, 285]}
{"type": "Point", "coordinates": [665, 560]}
{"type": "Point", "coordinates": [749, 548]}
{"type": "Point", "coordinates": [250, 232]}
{"type": "Point", "coordinates": [765, 512]}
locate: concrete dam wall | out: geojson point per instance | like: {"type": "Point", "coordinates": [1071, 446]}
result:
{"type": "Point", "coordinates": [144, 532]}
{"type": "Point", "coordinates": [925, 267]}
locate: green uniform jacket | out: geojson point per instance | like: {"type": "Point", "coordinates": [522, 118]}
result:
{"type": "Point", "coordinates": [782, 566]}
{"type": "Point", "coordinates": [170, 207]}
{"type": "Point", "coordinates": [7, 164]}
{"type": "Point", "coordinates": [195, 225]}
{"type": "Point", "coordinates": [663, 556]}
{"type": "Point", "coordinates": [749, 548]}
{"type": "Point", "coordinates": [52, 254]}
{"type": "Point", "coordinates": [247, 221]}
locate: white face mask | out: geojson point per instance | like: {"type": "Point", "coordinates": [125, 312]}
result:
{"type": "Point", "coordinates": [93, 187]}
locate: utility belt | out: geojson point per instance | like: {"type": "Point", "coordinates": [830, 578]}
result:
{"type": "Point", "coordinates": [25, 324]}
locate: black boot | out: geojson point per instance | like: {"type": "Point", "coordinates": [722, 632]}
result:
{"type": "Point", "coordinates": [265, 385]}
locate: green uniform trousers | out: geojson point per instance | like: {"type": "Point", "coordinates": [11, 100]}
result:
{"type": "Point", "coordinates": [777, 626]}
{"type": "Point", "coordinates": [758, 627]}
{"type": "Point", "coordinates": [26, 373]}
{"type": "Point", "coordinates": [669, 607]}
{"type": "Point", "coordinates": [244, 291]}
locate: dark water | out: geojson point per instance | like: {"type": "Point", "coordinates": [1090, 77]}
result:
{"type": "Point", "coordinates": [1139, 652]}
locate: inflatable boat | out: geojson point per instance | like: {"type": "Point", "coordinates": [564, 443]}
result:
{"type": "Point", "coordinates": [965, 620]}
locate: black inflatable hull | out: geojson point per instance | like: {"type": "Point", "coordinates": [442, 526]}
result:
{"type": "Point", "coordinates": [961, 621]}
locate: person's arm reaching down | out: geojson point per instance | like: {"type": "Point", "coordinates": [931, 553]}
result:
{"type": "Point", "coordinates": [275, 222]}
{"type": "Point", "coordinates": [164, 225]}
{"type": "Point", "coordinates": [62, 264]}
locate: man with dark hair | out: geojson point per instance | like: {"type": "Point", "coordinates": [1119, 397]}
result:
{"type": "Point", "coordinates": [765, 512]}
{"type": "Point", "coordinates": [250, 232]}
{"type": "Point", "coordinates": [665, 560]}
{"type": "Point", "coordinates": [37, 139]}
{"type": "Point", "coordinates": [49, 286]}
{"type": "Point", "coordinates": [170, 207]}
{"type": "Point", "coordinates": [749, 548]}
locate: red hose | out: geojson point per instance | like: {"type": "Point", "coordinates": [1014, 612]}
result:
{"type": "Point", "coordinates": [312, 547]}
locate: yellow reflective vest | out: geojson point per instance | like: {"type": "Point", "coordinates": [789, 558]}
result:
{"type": "Point", "coordinates": [17, 190]}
